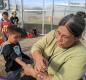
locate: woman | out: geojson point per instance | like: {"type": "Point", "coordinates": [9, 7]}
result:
{"type": "Point", "coordinates": [61, 48]}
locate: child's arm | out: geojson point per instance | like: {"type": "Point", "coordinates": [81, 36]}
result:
{"type": "Point", "coordinates": [20, 62]}
{"type": "Point", "coordinates": [8, 52]}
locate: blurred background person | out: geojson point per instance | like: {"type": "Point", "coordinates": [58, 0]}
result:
{"type": "Point", "coordinates": [14, 19]}
{"type": "Point", "coordinates": [4, 24]}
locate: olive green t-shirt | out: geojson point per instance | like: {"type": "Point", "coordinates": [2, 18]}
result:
{"type": "Point", "coordinates": [64, 64]}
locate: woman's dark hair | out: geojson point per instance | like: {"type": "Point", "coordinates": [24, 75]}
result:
{"type": "Point", "coordinates": [5, 13]}
{"type": "Point", "coordinates": [74, 23]}
{"type": "Point", "coordinates": [81, 13]}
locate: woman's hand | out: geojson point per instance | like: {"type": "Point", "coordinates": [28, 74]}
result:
{"type": "Point", "coordinates": [40, 65]}
{"type": "Point", "coordinates": [40, 62]}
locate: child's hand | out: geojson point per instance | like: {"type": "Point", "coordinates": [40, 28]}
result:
{"type": "Point", "coordinates": [29, 70]}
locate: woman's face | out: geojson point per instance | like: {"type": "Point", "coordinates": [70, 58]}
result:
{"type": "Point", "coordinates": [64, 38]}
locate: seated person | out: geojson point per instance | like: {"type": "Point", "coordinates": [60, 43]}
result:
{"type": "Point", "coordinates": [62, 50]}
{"type": "Point", "coordinates": [14, 19]}
{"type": "Point", "coordinates": [13, 55]}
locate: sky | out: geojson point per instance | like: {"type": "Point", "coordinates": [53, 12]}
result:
{"type": "Point", "coordinates": [56, 1]}
{"type": "Point", "coordinates": [66, 1]}
{"type": "Point", "coordinates": [39, 3]}
{"type": "Point", "coordinates": [47, 2]}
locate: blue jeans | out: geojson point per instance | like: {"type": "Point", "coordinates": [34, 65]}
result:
{"type": "Point", "coordinates": [14, 75]}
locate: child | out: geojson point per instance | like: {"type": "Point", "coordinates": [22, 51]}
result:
{"type": "Point", "coordinates": [14, 19]}
{"type": "Point", "coordinates": [13, 55]}
{"type": "Point", "coordinates": [5, 22]}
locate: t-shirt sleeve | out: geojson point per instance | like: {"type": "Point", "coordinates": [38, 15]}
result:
{"type": "Point", "coordinates": [8, 52]}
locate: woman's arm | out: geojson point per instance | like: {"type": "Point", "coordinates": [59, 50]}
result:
{"type": "Point", "coordinates": [38, 49]}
